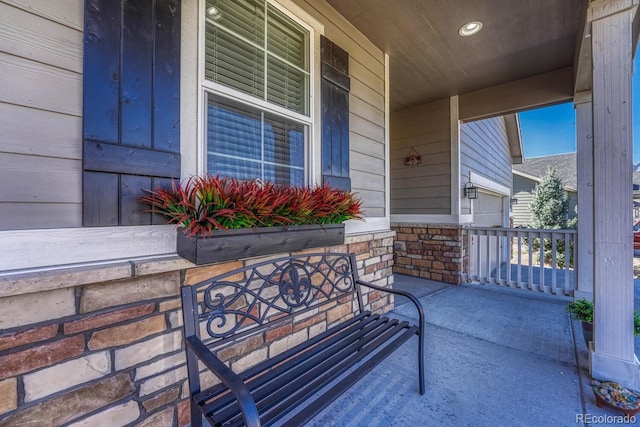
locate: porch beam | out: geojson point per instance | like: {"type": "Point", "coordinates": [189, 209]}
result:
{"type": "Point", "coordinates": [613, 357]}
{"type": "Point", "coordinates": [545, 89]}
{"type": "Point", "coordinates": [583, 104]}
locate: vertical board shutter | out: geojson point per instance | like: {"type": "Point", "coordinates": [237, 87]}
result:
{"type": "Point", "coordinates": [131, 116]}
{"type": "Point", "coordinates": [335, 115]}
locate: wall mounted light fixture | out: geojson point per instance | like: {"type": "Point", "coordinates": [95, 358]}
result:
{"type": "Point", "coordinates": [470, 191]}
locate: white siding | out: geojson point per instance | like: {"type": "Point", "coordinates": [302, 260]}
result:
{"type": "Point", "coordinates": [423, 189]}
{"type": "Point", "coordinates": [484, 149]}
{"type": "Point", "coordinates": [366, 102]}
{"type": "Point", "coordinates": [40, 110]}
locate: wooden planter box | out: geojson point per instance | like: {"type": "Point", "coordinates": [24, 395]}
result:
{"type": "Point", "coordinates": [225, 245]}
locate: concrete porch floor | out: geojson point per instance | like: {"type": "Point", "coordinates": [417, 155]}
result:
{"type": "Point", "coordinates": [493, 357]}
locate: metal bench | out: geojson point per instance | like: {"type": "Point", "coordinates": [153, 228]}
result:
{"type": "Point", "coordinates": [236, 307]}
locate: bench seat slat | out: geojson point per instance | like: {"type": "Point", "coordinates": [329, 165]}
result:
{"type": "Point", "coordinates": [332, 335]}
{"type": "Point", "coordinates": [289, 391]}
{"type": "Point", "coordinates": [309, 361]}
{"type": "Point", "coordinates": [332, 394]}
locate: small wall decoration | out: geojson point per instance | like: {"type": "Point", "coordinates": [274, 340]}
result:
{"type": "Point", "coordinates": [413, 158]}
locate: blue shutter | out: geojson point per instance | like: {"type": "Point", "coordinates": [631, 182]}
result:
{"type": "Point", "coordinates": [335, 88]}
{"type": "Point", "coordinates": [131, 116]}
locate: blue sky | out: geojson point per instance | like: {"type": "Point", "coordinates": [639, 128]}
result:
{"type": "Point", "coordinates": [551, 130]}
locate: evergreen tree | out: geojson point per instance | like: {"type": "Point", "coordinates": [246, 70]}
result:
{"type": "Point", "coordinates": [549, 208]}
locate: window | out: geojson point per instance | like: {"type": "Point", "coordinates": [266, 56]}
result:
{"type": "Point", "coordinates": [256, 88]}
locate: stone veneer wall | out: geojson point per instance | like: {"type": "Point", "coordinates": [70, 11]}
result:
{"type": "Point", "coordinates": [430, 251]}
{"type": "Point", "coordinates": [91, 351]}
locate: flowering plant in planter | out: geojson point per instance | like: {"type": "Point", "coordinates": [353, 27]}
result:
{"type": "Point", "coordinates": [204, 204]}
{"type": "Point", "coordinates": [224, 218]}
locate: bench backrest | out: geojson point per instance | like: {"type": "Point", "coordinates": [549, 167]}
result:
{"type": "Point", "coordinates": [245, 300]}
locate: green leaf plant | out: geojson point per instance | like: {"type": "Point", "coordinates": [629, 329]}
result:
{"type": "Point", "coordinates": [582, 310]}
{"type": "Point", "coordinates": [202, 204]}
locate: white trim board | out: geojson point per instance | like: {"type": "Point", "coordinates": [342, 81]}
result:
{"type": "Point", "coordinates": [431, 219]}
{"type": "Point", "coordinates": [488, 184]}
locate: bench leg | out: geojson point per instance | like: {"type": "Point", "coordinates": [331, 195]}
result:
{"type": "Point", "coordinates": [196, 416]}
{"type": "Point", "coordinates": [421, 360]}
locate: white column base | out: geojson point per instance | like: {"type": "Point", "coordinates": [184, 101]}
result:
{"type": "Point", "coordinates": [607, 368]}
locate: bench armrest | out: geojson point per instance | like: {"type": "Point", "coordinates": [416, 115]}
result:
{"type": "Point", "coordinates": [405, 294]}
{"type": "Point", "coordinates": [229, 379]}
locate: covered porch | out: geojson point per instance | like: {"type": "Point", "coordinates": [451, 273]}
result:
{"type": "Point", "coordinates": [495, 357]}
{"type": "Point", "coordinates": [536, 55]}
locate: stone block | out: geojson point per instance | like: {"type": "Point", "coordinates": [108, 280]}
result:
{"type": "Point", "coordinates": [17, 339]}
{"type": "Point", "coordinates": [184, 414]}
{"type": "Point", "coordinates": [316, 330]}
{"type": "Point", "coordinates": [278, 332]}
{"type": "Point", "coordinates": [8, 395]}
{"type": "Point", "coordinates": [147, 350]}
{"type": "Point", "coordinates": [250, 360]}
{"type": "Point", "coordinates": [73, 405]}
{"type": "Point", "coordinates": [307, 323]}
{"type": "Point", "coordinates": [337, 313]}
{"type": "Point", "coordinates": [103, 295]}
{"type": "Point", "coordinates": [175, 319]}
{"type": "Point", "coordinates": [240, 348]}
{"type": "Point", "coordinates": [438, 265]}
{"type": "Point", "coordinates": [99, 320]}
{"type": "Point", "coordinates": [171, 304]}
{"type": "Point", "coordinates": [359, 248]}
{"type": "Point", "coordinates": [66, 375]}
{"type": "Point", "coordinates": [197, 275]}
{"type": "Point", "coordinates": [126, 334]}
{"type": "Point", "coordinates": [164, 398]}
{"type": "Point", "coordinates": [39, 357]}
{"type": "Point", "coordinates": [161, 365]}
{"type": "Point", "coordinates": [161, 419]}
{"type": "Point", "coordinates": [287, 342]}
{"type": "Point", "coordinates": [163, 381]}
{"type": "Point", "coordinates": [117, 416]}
{"type": "Point", "coordinates": [37, 307]}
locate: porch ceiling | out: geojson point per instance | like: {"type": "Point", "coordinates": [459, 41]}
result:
{"type": "Point", "coordinates": [430, 61]}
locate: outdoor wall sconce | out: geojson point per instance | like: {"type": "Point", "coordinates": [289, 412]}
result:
{"type": "Point", "coordinates": [513, 201]}
{"type": "Point", "coordinates": [470, 191]}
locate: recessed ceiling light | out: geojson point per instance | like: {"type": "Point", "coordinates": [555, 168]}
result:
{"type": "Point", "coordinates": [213, 12]}
{"type": "Point", "coordinates": [470, 28]}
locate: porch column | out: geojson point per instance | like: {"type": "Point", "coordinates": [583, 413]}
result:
{"type": "Point", "coordinates": [612, 356]}
{"type": "Point", "coordinates": [584, 250]}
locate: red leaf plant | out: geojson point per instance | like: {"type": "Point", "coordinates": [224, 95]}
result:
{"type": "Point", "coordinates": [207, 203]}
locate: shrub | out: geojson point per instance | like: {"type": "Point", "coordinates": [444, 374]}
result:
{"type": "Point", "coordinates": [208, 203]}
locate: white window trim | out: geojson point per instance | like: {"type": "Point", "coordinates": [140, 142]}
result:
{"type": "Point", "coordinates": [312, 143]}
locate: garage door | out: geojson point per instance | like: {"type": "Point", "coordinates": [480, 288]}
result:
{"type": "Point", "coordinates": [487, 210]}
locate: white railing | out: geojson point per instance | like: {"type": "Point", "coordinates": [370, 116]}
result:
{"type": "Point", "coordinates": [515, 258]}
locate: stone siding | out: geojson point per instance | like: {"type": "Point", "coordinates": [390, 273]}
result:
{"type": "Point", "coordinates": [112, 353]}
{"type": "Point", "coordinates": [429, 251]}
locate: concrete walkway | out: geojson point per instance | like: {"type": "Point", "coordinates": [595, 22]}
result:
{"type": "Point", "coordinates": [495, 357]}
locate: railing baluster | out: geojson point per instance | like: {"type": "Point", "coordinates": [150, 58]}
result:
{"type": "Point", "coordinates": [530, 240]}
{"type": "Point", "coordinates": [541, 262]}
{"type": "Point", "coordinates": [519, 259]}
{"type": "Point", "coordinates": [554, 262]}
{"type": "Point", "coordinates": [485, 262]}
{"type": "Point", "coordinates": [510, 256]}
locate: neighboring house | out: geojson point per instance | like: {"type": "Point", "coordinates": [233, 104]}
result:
{"type": "Point", "coordinates": [102, 99]}
{"type": "Point", "coordinates": [531, 171]}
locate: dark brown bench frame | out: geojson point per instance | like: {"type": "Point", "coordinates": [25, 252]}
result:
{"type": "Point", "coordinates": [233, 310]}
